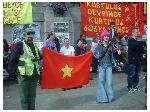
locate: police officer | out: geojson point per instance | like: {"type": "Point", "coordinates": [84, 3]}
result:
{"type": "Point", "coordinates": [27, 56]}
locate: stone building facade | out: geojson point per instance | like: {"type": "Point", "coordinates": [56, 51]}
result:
{"type": "Point", "coordinates": [44, 14]}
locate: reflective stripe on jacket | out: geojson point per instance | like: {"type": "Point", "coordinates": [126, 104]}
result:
{"type": "Point", "coordinates": [28, 65]}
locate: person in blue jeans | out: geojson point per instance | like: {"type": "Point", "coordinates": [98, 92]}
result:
{"type": "Point", "coordinates": [105, 54]}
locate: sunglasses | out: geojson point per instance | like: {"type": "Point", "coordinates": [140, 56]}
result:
{"type": "Point", "coordinates": [31, 33]}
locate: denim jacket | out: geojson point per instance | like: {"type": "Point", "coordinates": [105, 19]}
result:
{"type": "Point", "coordinates": [99, 53]}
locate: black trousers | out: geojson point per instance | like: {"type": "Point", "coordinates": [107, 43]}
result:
{"type": "Point", "coordinates": [94, 64]}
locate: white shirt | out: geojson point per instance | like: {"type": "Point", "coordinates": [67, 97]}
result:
{"type": "Point", "coordinates": [93, 46]}
{"type": "Point", "coordinates": [67, 51]}
{"type": "Point", "coordinates": [113, 32]}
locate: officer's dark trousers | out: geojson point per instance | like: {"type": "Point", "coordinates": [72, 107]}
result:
{"type": "Point", "coordinates": [27, 89]}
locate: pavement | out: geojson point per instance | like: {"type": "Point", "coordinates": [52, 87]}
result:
{"type": "Point", "coordinates": [78, 99]}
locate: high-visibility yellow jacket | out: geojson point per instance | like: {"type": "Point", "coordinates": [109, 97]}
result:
{"type": "Point", "coordinates": [26, 58]}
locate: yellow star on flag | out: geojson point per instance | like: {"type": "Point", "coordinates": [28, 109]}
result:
{"type": "Point", "coordinates": [67, 71]}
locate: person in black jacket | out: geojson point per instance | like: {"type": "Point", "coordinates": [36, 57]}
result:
{"type": "Point", "coordinates": [145, 77]}
{"type": "Point", "coordinates": [5, 53]}
{"type": "Point", "coordinates": [135, 56]}
{"type": "Point", "coordinates": [57, 43]}
{"type": "Point", "coordinates": [79, 49]}
{"type": "Point", "coordinates": [113, 32]}
{"type": "Point", "coordinates": [84, 42]}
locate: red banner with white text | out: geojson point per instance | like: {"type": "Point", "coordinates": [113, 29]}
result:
{"type": "Point", "coordinates": [96, 16]}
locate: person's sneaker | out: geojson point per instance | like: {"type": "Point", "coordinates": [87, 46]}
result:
{"type": "Point", "coordinates": [136, 88]}
{"type": "Point", "coordinates": [64, 89]}
{"type": "Point", "coordinates": [131, 90]}
{"type": "Point", "coordinates": [119, 69]}
{"type": "Point", "coordinates": [102, 102]}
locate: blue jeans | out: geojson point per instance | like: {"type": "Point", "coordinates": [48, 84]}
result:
{"type": "Point", "coordinates": [104, 90]}
{"type": "Point", "coordinates": [133, 75]}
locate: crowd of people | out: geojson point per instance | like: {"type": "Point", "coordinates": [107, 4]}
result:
{"type": "Point", "coordinates": [108, 49]}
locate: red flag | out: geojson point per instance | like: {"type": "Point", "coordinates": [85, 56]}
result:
{"type": "Point", "coordinates": [60, 71]}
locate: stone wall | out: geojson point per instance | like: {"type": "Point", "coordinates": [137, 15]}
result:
{"type": "Point", "coordinates": [43, 13]}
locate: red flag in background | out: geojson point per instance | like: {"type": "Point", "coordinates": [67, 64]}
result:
{"type": "Point", "coordinates": [60, 71]}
